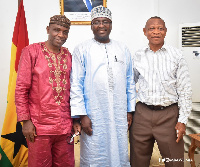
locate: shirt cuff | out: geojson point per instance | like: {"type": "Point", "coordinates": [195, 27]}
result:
{"type": "Point", "coordinates": [22, 117]}
{"type": "Point", "coordinates": [183, 119]}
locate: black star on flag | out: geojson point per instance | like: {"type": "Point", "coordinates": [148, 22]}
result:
{"type": "Point", "coordinates": [16, 137]}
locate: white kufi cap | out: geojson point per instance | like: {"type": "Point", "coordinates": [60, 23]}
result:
{"type": "Point", "coordinates": [101, 11]}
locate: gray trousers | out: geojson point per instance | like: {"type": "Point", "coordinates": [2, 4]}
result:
{"type": "Point", "coordinates": [150, 125]}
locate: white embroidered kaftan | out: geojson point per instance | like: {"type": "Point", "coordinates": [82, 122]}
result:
{"type": "Point", "coordinates": [103, 88]}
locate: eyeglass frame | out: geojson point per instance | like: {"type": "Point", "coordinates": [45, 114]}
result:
{"type": "Point", "coordinates": [104, 23]}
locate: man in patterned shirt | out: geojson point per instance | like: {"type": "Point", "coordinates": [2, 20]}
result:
{"type": "Point", "coordinates": [164, 97]}
{"type": "Point", "coordinates": [42, 97]}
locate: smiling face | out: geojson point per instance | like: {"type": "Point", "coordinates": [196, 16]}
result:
{"type": "Point", "coordinates": [101, 28]}
{"type": "Point", "coordinates": [57, 36]}
{"type": "Point", "coordinates": [155, 31]}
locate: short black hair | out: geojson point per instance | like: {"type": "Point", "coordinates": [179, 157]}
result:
{"type": "Point", "coordinates": [155, 17]}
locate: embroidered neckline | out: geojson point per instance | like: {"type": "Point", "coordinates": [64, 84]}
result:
{"type": "Point", "coordinates": [99, 43]}
{"type": "Point", "coordinates": [57, 62]}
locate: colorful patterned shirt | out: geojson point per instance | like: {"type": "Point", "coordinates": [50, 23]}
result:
{"type": "Point", "coordinates": [43, 89]}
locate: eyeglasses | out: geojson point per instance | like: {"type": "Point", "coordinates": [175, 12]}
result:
{"type": "Point", "coordinates": [98, 23]}
{"type": "Point", "coordinates": [70, 139]}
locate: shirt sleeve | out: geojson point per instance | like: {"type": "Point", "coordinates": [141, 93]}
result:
{"type": "Point", "coordinates": [23, 85]}
{"type": "Point", "coordinates": [184, 91]}
{"type": "Point", "coordinates": [130, 89]}
{"type": "Point", "coordinates": [77, 81]}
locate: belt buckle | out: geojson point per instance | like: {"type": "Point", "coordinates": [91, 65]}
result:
{"type": "Point", "coordinates": [157, 107]}
{"type": "Point", "coordinates": [160, 107]}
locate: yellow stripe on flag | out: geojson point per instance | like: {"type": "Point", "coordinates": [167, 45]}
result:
{"type": "Point", "coordinates": [12, 68]}
{"type": "Point", "coordinates": [10, 121]}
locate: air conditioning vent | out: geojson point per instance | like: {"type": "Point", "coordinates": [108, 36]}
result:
{"type": "Point", "coordinates": [191, 36]}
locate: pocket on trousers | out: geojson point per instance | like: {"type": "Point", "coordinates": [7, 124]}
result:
{"type": "Point", "coordinates": [138, 113]}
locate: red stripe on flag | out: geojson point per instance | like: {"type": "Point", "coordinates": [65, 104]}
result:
{"type": "Point", "coordinates": [20, 34]}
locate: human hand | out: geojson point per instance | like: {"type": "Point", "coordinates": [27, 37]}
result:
{"type": "Point", "coordinates": [76, 127]}
{"type": "Point", "coordinates": [129, 119]}
{"type": "Point", "coordinates": [180, 130]}
{"type": "Point", "coordinates": [28, 130]}
{"type": "Point", "coordinates": [86, 124]}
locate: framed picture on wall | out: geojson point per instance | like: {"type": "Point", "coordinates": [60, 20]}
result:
{"type": "Point", "coordinates": [78, 11]}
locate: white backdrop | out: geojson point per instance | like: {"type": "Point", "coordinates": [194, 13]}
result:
{"type": "Point", "coordinates": [129, 18]}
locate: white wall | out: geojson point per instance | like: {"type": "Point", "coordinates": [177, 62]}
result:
{"type": "Point", "coordinates": [129, 17]}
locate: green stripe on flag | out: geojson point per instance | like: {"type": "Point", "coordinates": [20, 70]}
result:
{"type": "Point", "coordinates": [4, 162]}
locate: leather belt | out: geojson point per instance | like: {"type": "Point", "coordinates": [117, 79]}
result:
{"type": "Point", "coordinates": [152, 107]}
{"type": "Point", "coordinates": [157, 107]}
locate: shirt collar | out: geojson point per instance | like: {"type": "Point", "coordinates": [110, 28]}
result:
{"type": "Point", "coordinates": [164, 47]}
{"type": "Point", "coordinates": [99, 43]}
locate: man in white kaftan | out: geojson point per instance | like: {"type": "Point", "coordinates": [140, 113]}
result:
{"type": "Point", "coordinates": [103, 93]}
